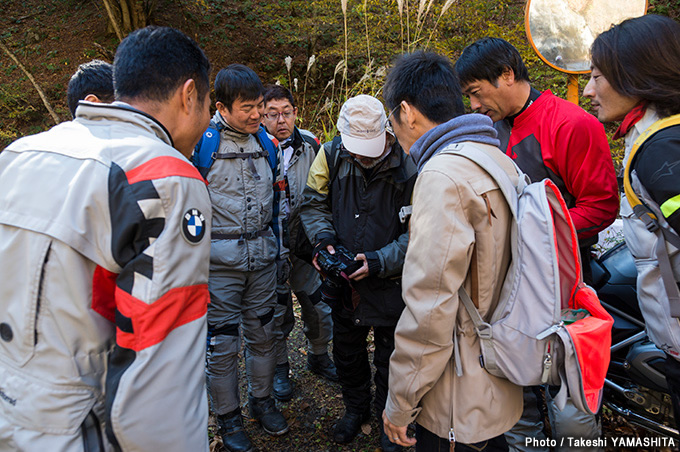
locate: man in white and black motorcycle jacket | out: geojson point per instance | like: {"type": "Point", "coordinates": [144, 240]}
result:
{"type": "Point", "coordinates": [243, 260]}
{"type": "Point", "coordinates": [104, 247]}
{"type": "Point", "coordinates": [297, 149]}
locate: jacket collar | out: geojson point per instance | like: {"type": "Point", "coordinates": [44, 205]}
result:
{"type": "Point", "coordinates": [534, 94]}
{"type": "Point", "coordinates": [298, 141]}
{"type": "Point", "coordinates": [650, 117]}
{"type": "Point", "coordinates": [123, 112]}
{"type": "Point", "coordinates": [535, 105]}
{"type": "Point", "coordinates": [221, 124]}
{"type": "Point", "coordinates": [295, 141]}
{"type": "Point", "coordinates": [632, 117]}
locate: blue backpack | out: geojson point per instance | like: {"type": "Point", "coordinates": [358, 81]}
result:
{"type": "Point", "coordinates": [206, 149]}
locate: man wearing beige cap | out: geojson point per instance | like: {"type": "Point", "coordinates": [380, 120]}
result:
{"type": "Point", "coordinates": [356, 189]}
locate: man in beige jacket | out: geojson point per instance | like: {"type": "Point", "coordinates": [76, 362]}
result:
{"type": "Point", "coordinates": [460, 236]}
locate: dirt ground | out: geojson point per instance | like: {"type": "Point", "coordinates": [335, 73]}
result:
{"type": "Point", "coordinates": [311, 413]}
{"type": "Point", "coordinates": [317, 405]}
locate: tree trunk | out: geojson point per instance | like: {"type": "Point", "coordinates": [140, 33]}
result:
{"type": "Point", "coordinates": [41, 93]}
{"type": "Point", "coordinates": [113, 18]}
{"type": "Point", "coordinates": [126, 16]}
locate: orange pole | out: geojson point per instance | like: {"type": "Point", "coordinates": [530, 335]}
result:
{"type": "Point", "coordinates": [572, 89]}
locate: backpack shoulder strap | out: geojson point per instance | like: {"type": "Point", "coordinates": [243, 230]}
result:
{"type": "Point", "coordinates": [267, 144]}
{"type": "Point", "coordinates": [332, 159]}
{"type": "Point", "coordinates": [311, 139]}
{"type": "Point", "coordinates": [482, 328]}
{"type": "Point", "coordinates": [510, 191]}
{"type": "Point", "coordinates": [204, 152]}
{"type": "Point", "coordinates": [645, 214]}
{"type": "Point", "coordinates": [480, 157]}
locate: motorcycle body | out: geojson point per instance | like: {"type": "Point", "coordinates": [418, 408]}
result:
{"type": "Point", "coordinates": [635, 386]}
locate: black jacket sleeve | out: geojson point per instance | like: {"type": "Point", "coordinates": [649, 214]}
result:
{"type": "Point", "coordinates": [658, 168]}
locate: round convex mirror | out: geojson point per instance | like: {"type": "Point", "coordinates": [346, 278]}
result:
{"type": "Point", "coordinates": [562, 31]}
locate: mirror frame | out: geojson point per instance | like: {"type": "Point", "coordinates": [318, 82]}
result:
{"type": "Point", "coordinates": [533, 46]}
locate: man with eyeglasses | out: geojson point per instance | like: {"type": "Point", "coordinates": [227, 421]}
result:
{"type": "Point", "coordinates": [243, 271]}
{"type": "Point", "coordinates": [298, 148]}
{"type": "Point", "coordinates": [357, 196]}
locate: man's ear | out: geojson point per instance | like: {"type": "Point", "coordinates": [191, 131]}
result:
{"type": "Point", "coordinates": [508, 76]}
{"type": "Point", "coordinates": [221, 108]}
{"type": "Point", "coordinates": [189, 96]}
{"type": "Point", "coordinates": [409, 116]}
{"type": "Point", "coordinates": [92, 98]}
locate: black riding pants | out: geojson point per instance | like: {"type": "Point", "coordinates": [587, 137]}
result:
{"type": "Point", "coordinates": [350, 354]}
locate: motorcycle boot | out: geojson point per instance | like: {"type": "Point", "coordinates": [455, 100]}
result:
{"type": "Point", "coordinates": [230, 427]}
{"type": "Point", "coordinates": [283, 386]}
{"type": "Point", "coordinates": [322, 365]}
{"type": "Point", "coordinates": [349, 425]}
{"type": "Point", "coordinates": [264, 410]}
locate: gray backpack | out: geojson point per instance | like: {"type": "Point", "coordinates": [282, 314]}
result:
{"type": "Point", "coordinates": [548, 327]}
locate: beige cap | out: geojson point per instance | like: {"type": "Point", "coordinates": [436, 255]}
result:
{"type": "Point", "coordinates": [362, 126]}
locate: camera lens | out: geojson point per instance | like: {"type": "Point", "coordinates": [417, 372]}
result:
{"type": "Point", "coordinates": [331, 292]}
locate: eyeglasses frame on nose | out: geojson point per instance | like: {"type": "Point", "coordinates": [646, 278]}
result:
{"type": "Point", "coordinates": [275, 116]}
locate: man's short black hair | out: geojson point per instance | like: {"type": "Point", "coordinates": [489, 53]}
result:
{"type": "Point", "coordinates": [427, 81]}
{"type": "Point", "coordinates": [276, 92]}
{"type": "Point", "coordinates": [153, 62]}
{"type": "Point", "coordinates": [487, 58]}
{"type": "Point", "coordinates": [237, 81]}
{"type": "Point", "coordinates": [95, 77]}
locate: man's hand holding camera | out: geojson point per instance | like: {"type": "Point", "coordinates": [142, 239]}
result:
{"type": "Point", "coordinates": [339, 267]}
{"type": "Point", "coordinates": [325, 244]}
{"type": "Point", "coordinates": [363, 270]}
{"type": "Point", "coordinates": [343, 263]}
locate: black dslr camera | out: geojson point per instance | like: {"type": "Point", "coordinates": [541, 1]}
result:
{"type": "Point", "coordinates": [334, 265]}
{"type": "Point", "coordinates": [337, 268]}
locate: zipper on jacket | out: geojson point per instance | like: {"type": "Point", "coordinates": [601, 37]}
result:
{"type": "Point", "coordinates": [489, 210]}
{"type": "Point", "coordinates": [452, 435]}
{"type": "Point", "coordinates": [40, 288]}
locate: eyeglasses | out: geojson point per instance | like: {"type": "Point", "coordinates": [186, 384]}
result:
{"type": "Point", "coordinates": [388, 123]}
{"type": "Point", "coordinates": [275, 116]}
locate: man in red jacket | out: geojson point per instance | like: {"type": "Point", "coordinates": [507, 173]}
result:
{"type": "Point", "coordinates": [547, 137]}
